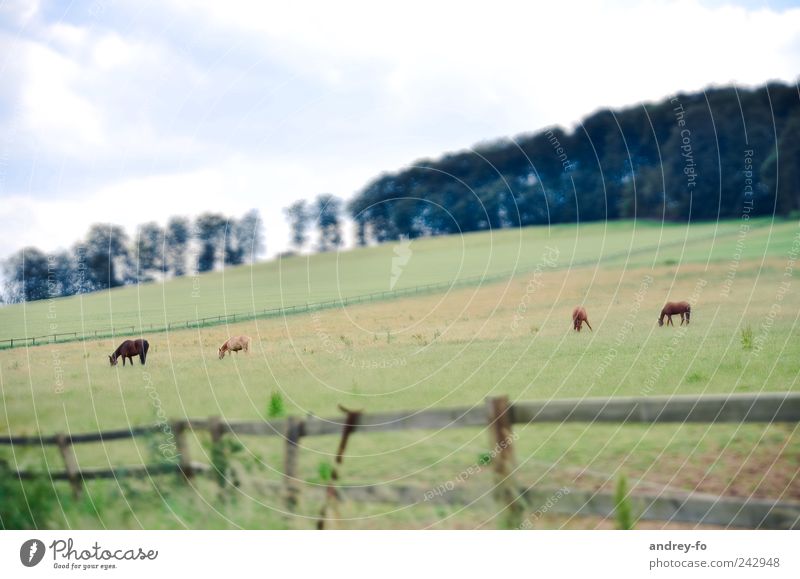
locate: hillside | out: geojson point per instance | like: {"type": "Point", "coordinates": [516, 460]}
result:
{"type": "Point", "coordinates": [449, 259]}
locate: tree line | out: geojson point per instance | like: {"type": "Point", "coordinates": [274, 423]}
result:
{"type": "Point", "coordinates": [719, 153]}
{"type": "Point", "coordinates": [107, 257]}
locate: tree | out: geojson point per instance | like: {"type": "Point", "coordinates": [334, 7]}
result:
{"type": "Point", "coordinates": [234, 250]}
{"type": "Point", "coordinates": [250, 236]}
{"type": "Point", "coordinates": [210, 232]}
{"type": "Point", "coordinates": [329, 209]}
{"type": "Point", "coordinates": [63, 274]}
{"type": "Point", "coordinates": [176, 240]}
{"type": "Point", "coordinates": [299, 220]}
{"type": "Point", "coordinates": [106, 255]}
{"type": "Point", "coordinates": [780, 172]}
{"type": "Point", "coordinates": [361, 229]}
{"type": "Point", "coordinates": [681, 158]}
{"type": "Point", "coordinates": [26, 276]}
{"type": "Point", "coordinates": [149, 251]}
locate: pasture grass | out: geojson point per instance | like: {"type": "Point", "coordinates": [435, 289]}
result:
{"type": "Point", "coordinates": [316, 278]}
{"type": "Point", "coordinates": [509, 337]}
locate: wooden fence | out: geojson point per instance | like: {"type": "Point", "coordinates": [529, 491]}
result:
{"type": "Point", "coordinates": [498, 415]}
{"type": "Point", "coordinates": [239, 316]}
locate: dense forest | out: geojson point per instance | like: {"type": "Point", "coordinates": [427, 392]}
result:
{"type": "Point", "coordinates": [720, 153]}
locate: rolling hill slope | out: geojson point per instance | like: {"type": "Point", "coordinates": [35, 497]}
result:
{"type": "Point", "coordinates": [449, 259]}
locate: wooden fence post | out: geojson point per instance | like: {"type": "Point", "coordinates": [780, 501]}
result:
{"type": "Point", "coordinates": [219, 457]}
{"type": "Point", "coordinates": [295, 428]}
{"type": "Point", "coordinates": [70, 464]}
{"type": "Point", "coordinates": [185, 461]}
{"type": "Point", "coordinates": [501, 437]}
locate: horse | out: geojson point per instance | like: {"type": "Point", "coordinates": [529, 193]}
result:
{"type": "Point", "coordinates": [128, 349]}
{"type": "Point", "coordinates": [672, 308]}
{"type": "Point", "coordinates": [235, 344]}
{"type": "Point", "coordinates": [579, 317]}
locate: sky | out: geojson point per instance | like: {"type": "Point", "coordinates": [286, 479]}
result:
{"type": "Point", "coordinates": [127, 112]}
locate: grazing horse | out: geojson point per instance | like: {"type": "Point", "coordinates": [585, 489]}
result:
{"type": "Point", "coordinates": [579, 317]}
{"type": "Point", "coordinates": [235, 344]}
{"type": "Point", "coordinates": [128, 349]}
{"type": "Point", "coordinates": [672, 308]}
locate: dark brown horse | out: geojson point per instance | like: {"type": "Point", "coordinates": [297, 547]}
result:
{"type": "Point", "coordinates": [672, 308]}
{"type": "Point", "coordinates": [128, 349]}
{"type": "Point", "coordinates": [579, 317]}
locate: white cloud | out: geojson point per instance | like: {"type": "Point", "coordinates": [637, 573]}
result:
{"type": "Point", "coordinates": [111, 51]}
{"type": "Point", "coordinates": [230, 188]}
{"type": "Point", "coordinates": [53, 113]}
{"type": "Point", "coordinates": [545, 62]}
{"type": "Point", "coordinates": [227, 106]}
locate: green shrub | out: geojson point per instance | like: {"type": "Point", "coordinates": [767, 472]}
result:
{"type": "Point", "coordinates": [30, 504]}
{"type": "Point", "coordinates": [622, 506]}
{"type": "Point", "coordinates": [276, 408]}
{"type": "Point", "coordinates": [747, 338]}
{"type": "Point", "coordinates": [325, 472]}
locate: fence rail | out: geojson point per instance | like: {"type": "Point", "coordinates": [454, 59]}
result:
{"type": "Point", "coordinates": [498, 414]}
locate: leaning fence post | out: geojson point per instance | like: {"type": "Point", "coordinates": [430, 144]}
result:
{"type": "Point", "coordinates": [331, 504]}
{"type": "Point", "coordinates": [295, 428]}
{"type": "Point", "coordinates": [70, 464]}
{"type": "Point", "coordinates": [185, 461]}
{"type": "Point", "coordinates": [501, 437]}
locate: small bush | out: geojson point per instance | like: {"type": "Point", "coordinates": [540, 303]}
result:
{"type": "Point", "coordinates": [29, 504]}
{"type": "Point", "coordinates": [622, 506]}
{"type": "Point", "coordinates": [221, 454]}
{"type": "Point", "coordinates": [325, 472]}
{"type": "Point", "coordinates": [695, 377]}
{"type": "Point", "coordinates": [276, 407]}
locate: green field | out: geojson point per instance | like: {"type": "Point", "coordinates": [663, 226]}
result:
{"type": "Point", "coordinates": [321, 277]}
{"type": "Point", "coordinates": [511, 335]}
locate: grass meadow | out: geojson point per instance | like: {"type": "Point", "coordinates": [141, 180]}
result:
{"type": "Point", "coordinates": [511, 335]}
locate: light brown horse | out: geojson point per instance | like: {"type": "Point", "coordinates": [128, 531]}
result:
{"type": "Point", "coordinates": [128, 349]}
{"type": "Point", "coordinates": [579, 317]}
{"type": "Point", "coordinates": [235, 344]}
{"type": "Point", "coordinates": [672, 308]}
